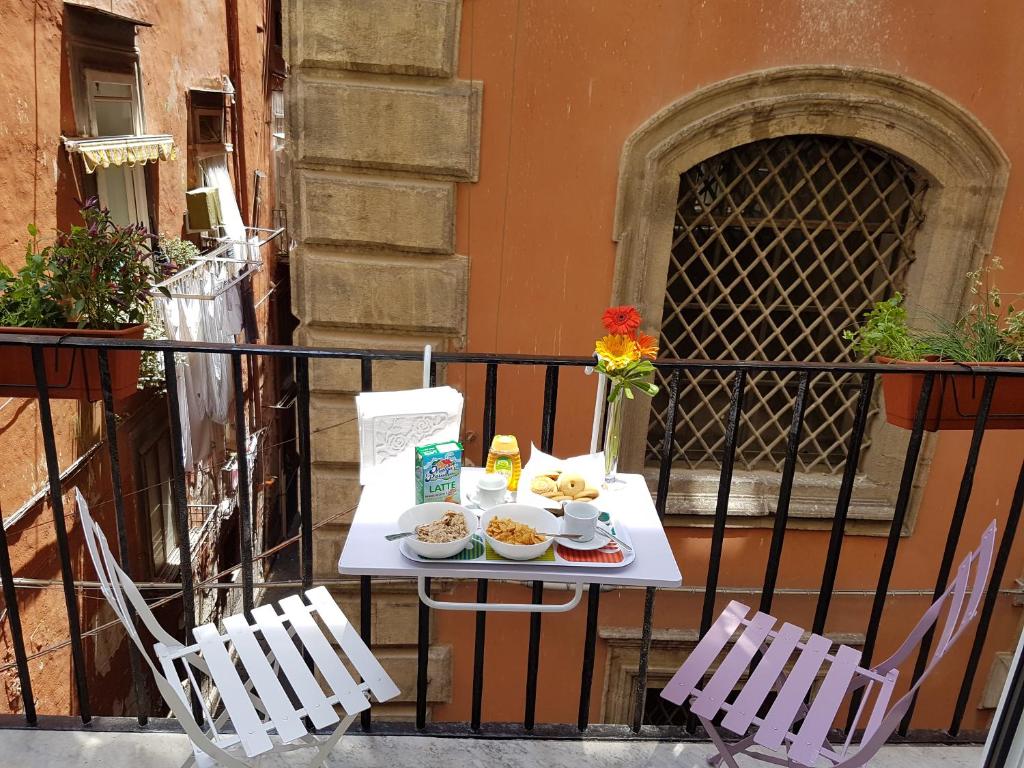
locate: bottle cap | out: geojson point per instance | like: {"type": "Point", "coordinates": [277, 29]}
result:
{"type": "Point", "coordinates": [505, 444]}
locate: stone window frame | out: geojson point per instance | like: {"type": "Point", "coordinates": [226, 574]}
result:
{"type": "Point", "coordinates": [967, 174]}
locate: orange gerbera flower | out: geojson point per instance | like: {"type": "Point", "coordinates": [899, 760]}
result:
{"type": "Point", "coordinates": [622, 321]}
{"type": "Point", "coordinates": [617, 351]}
{"type": "Point", "coordinates": [647, 346]}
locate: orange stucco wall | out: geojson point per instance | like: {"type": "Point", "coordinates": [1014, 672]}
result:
{"type": "Point", "coordinates": [186, 47]}
{"type": "Point", "coordinates": [565, 84]}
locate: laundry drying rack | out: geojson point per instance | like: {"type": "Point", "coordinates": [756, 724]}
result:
{"type": "Point", "coordinates": [216, 262]}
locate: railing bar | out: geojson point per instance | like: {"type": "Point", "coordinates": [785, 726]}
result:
{"type": "Point", "coordinates": [365, 582]}
{"type": "Point", "coordinates": [547, 440]}
{"type": "Point", "coordinates": [478, 658]}
{"type": "Point", "coordinates": [953, 537]}
{"type": "Point", "coordinates": [422, 658]}
{"type": "Point", "coordinates": [14, 622]}
{"type": "Point", "coordinates": [323, 353]}
{"type": "Point", "coordinates": [835, 543]}
{"type": "Point", "coordinates": [895, 533]}
{"type": "Point", "coordinates": [646, 635]}
{"type": "Point", "coordinates": [589, 652]}
{"type": "Point", "coordinates": [480, 628]}
{"type": "Point", "coordinates": [305, 472]}
{"type": "Point", "coordinates": [63, 548]}
{"type": "Point", "coordinates": [244, 499]}
{"type": "Point", "coordinates": [490, 399]}
{"type": "Point", "coordinates": [547, 426]}
{"type": "Point", "coordinates": [771, 572]}
{"type": "Point", "coordinates": [533, 659]}
{"type": "Point", "coordinates": [988, 607]}
{"type": "Point", "coordinates": [180, 500]}
{"type": "Point", "coordinates": [665, 464]}
{"type": "Point", "coordinates": [433, 372]}
{"type": "Point", "coordinates": [722, 507]}
{"type": "Point", "coordinates": [124, 557]}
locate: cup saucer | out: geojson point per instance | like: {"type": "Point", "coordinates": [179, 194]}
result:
{"type": "Point", "coordinates": [599, 541]}
{"type": "Point", "coordinates": [471, 495]}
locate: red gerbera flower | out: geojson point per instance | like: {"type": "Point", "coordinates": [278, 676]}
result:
{"type": "Point", "coordinates": [621, 320]}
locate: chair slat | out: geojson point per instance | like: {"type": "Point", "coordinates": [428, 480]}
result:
{"type": "Point", "coordinates": [743, 711]}
{"type": "Point", "coordinates": [327, 661]}
{"type": "Point", "coordinates": [881, 705]}
{"type": "Point", "coordinates": [279, 707]}
{"type": "Point", "coordinates": [294, 667]}
{"type": "Point", "coordinates": [243, 716]}
{"type": "Point", "coordinates": [708, 701]}
{"type": "Point", "coordinates": [793, 693]}
{"type": "Point", "coordinates": [985, 550]}
{"type": "Point", "coordinates": [372, 673]}
{"type": "Point", "coordinates": [956, 604]}
{"type": "Point", "coordinates": [692, 670]}
{"type": "Point", "coordinates": [809, 740]}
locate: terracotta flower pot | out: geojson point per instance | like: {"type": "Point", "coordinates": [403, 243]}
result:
{"type": "Point", "coordinates": [71, 374]}
{"type": "Point", "coordinates": [955, 401]}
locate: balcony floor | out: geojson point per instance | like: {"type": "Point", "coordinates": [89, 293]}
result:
{"type": "Point", "coordinates": [46, 749]}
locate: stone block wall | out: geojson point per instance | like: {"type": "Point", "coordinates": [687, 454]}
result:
{"type": "Point", "coordinates": [380, 131]}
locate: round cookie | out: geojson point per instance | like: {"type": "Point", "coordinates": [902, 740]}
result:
{"type": "Point", "coordinates": [570, 485]}
{"type": "Point", "coordinates": [543, 485]}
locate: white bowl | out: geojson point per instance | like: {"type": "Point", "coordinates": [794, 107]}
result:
{"type": "Point", "coordinates": [540, 519]}
{"type": "Point", "coordinates": [427, 513]}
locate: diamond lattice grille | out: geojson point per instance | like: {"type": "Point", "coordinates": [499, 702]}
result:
{"type": "Point", "coordinates": [780, 245]}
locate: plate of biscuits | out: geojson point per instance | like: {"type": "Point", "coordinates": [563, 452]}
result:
{"type": "Point", "coordinates": [550, 482]}
{"type": "Point", "coordinates": [560, 486]}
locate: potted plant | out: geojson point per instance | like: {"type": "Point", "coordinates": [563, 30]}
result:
{"type": "Point", "coordinates": [986, 334]}
{"type": "Point", "coordinates": [92, 281]}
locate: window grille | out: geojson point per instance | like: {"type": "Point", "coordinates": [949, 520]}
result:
{"type": "Point", "coordinates": [779, 245]}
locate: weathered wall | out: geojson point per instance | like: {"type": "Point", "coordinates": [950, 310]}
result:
{"type": "Point", "coordinates": [382, 131]}
{"type": "Point", "coordinates": [565, 85]}
{"type": "Point", "coordinates": [187, 47]}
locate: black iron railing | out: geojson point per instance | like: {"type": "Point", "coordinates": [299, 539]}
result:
{"type": "Point", "coordinates": [673, 370]}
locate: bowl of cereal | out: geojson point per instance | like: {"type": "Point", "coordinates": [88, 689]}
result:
{"type": "Point", "coordinates": [442, 529]}
{"type": "Point", "coordinates": [514, 530]}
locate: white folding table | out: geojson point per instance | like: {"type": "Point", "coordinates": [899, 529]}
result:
{"type": "Point", "coordinates": [368, 553]}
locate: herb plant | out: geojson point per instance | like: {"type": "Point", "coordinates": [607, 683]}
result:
{"type": "Point", "coordinates": [987, 332]}
{"type": "Point", "coordinates": [97, 275]}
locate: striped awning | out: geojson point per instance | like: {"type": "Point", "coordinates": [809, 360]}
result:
{"type": "Point", "coordinates": [122, 150]}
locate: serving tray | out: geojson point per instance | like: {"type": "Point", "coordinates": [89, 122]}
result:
{"type": "Point", "coordinates": [478, 551]}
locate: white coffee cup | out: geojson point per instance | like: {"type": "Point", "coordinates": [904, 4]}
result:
{"type": "Point", "coordinates": [580, 518]}
{"type": "Point", "coordinates": [490, 489]}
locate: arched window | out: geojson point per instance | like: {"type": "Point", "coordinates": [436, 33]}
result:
{"type": "Point", "coordinates": [778, 246]}
{"type": "Point", "coordinates": [759, 217]}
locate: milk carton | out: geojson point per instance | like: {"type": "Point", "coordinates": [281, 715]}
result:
{"type": "Point", "coordinates": [438, 468]}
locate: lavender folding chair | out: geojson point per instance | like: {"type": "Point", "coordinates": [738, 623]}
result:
{"type": "Point", "coordinates": [798, 721]}
{"type": "Point", "coordinates": [257, 715]}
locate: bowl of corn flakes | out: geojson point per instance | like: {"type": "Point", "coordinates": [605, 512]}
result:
{"type": "Point", "coordinates": [515, 531]}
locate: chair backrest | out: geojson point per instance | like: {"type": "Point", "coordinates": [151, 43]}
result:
{"type": "Point", "coordinates": [120, 591]}
{"type": "Point", "coordinates": [960, 612]}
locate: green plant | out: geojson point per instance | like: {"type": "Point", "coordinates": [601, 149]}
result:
{"type": "Point", "coordinates": [177, 253]}
{"type": "Point", "coordinates": [986, 332]}
{"type": "Point", "coordinates": [885, 332]}
{"type": "Point", "coordinates": [97, 275]}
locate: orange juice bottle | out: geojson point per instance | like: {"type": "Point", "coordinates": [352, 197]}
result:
{"type": "Point", "coordinates": [504, 459]}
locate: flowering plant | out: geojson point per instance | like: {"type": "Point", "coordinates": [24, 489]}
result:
{"type": "Point", "coordinates": [624, 354]}
{"type": "Point", "coordinates": [95, 276]}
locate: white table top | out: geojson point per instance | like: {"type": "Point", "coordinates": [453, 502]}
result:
{"type": "Point", "coordinates": [367, 553]}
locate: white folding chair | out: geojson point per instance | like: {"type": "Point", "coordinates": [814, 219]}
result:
{"type": "Point", "coordinates": [264, 710]}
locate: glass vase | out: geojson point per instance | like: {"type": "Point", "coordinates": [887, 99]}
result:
{"type": "Point", "coordinates": [613, 440]}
